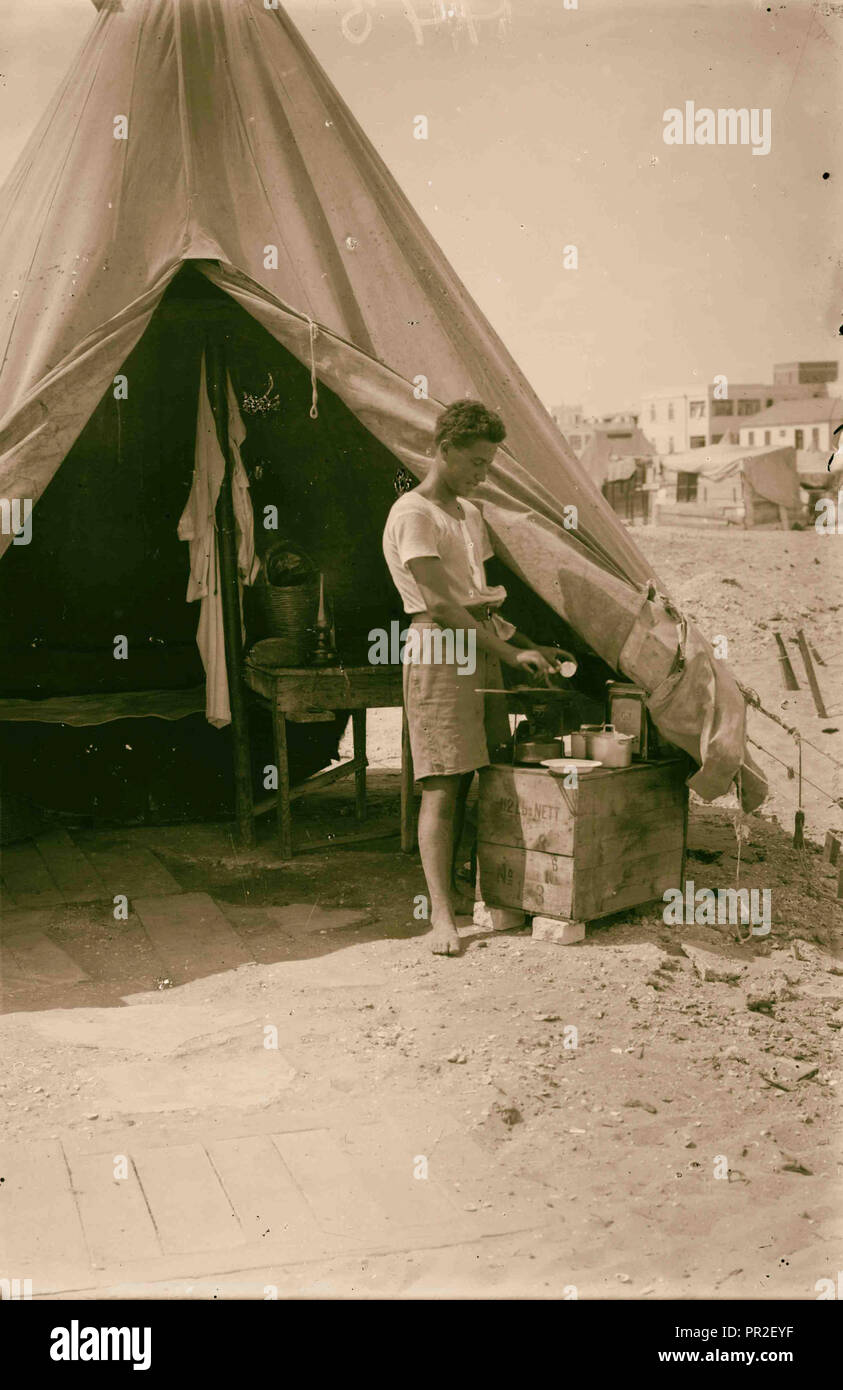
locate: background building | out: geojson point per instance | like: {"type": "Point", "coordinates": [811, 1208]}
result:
{"type": "Point", "coordinates": [580, 430]}
{"type": "Point", "coordinates": [806, 424]}
{"type": "Point", "coordinates": [691, 417]}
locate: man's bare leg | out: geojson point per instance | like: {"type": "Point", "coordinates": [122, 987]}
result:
{"type": "Point", "coordinates": [436, 847]}
{"type": "Point", "coordinates": [459, 890]}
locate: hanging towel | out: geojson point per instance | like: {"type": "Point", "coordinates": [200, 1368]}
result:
{"type": "Point", "coordinates": [197, 526]}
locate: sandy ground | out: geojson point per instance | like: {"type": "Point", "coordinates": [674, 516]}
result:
{"type": "Point", "coordinates": [661, 1101]}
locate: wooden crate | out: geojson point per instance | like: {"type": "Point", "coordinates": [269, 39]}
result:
{"type": "Point", "coordinates": [615, 841]}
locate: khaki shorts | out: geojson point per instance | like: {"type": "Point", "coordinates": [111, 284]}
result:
{"type": "Point", "coordinates": [453, 728]}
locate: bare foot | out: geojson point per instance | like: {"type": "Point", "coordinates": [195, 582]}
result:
{"type": "Point", "coordinates": [444, 940]}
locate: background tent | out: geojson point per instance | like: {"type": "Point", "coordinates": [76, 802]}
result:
{"type": "Point", "coordinates": [618, 460]}
{"type": "Point", "coordinates": [754, 486]}
{"type": "Point", "coordinates": [240, 157]}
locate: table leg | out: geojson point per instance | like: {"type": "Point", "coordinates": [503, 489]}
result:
{"type": "Point", "coordinates": [358, 745]}
{"type": "Point", "coordinates": [408, 829]}
{"type": "Point", "coordinates": [283, 813]}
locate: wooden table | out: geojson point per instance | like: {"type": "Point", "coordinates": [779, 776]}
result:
{"type": "Point", "coordinates": [306, 694]}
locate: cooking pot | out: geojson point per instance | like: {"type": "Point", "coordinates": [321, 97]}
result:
{"type": "Point", "coordinates": [580, 747]}
{"type": "Point", "coordinates": [534, 752]}
{"type": "Point", "coordinates": [609, 747]}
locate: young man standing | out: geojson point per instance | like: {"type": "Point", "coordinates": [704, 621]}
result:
{"type": "Point", "coordinates": [435, 543]}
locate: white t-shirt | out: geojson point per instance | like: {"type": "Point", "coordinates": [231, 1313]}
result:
{"type": "Point", "coordinates": [416, 527]}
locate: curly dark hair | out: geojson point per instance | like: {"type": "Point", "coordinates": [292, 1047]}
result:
{"type": "Point", "coordinates": [464, 421]}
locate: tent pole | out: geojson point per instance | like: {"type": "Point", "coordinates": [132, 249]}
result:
{"type": "Point", "coordinates": [215, 368]}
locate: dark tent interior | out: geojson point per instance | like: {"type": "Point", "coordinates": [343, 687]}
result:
{"type": "Point", "coordinates": [105, 560]}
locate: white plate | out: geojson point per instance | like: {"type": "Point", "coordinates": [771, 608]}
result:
{"type": "Point", "coordinates": [561, 766]}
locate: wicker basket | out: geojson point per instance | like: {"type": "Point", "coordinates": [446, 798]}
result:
{"type": "Point", "coordinates": [289, 614]}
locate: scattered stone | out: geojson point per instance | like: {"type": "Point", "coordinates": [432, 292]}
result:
{"type": "Point", "coordinates": [641, 1105]}
{"type": "Point", "coordinates": [712, 968]}
{"type": "Point", "coordinates": [510, 1114]}
{"type": "Point", "coordinates": [456, 1056]}
{"type": "Point", "coordinates": [760, 1003]}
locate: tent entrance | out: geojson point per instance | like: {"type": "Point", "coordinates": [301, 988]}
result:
{"type": "Point", "coordinates": [105, 560]}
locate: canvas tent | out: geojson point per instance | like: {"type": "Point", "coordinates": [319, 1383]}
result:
{"type": "Point", "coordinates": [612, 453]}
{"type": "Point", "coordinates": [241, 159]}
{"type": "Point", "coordinates": [618, 459]}
{"type": "Point", "coordinates": [755, 487]}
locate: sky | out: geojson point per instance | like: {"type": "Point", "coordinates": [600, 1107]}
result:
{"type": "Point", "coordinates": [547, 133]}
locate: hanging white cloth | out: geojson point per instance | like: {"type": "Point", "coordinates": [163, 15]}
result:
{"type": "Point", "coordinates": [197, 526]}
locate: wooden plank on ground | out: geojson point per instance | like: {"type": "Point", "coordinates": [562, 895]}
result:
{"type": "Point", "coordinates": [40, 960]}
{"type": "Point", "coordinates": [7, 897]}
{"type": "Point", "coordinates": [27, 876]}
{"type": "Point", "coordinates": [126, 868]}
{"type": "Point", "coordinates": [334, 1190]}
{"type": "Point", "coordinates": [41, 1225]}
{"type": "Point", "coordinates": [261, 1189]}
{"type": "Point", "coordinates": [388, 1164]}
{"type": "Point", "coordinates": [27, 919]}
{"type": "Point", "coordinates": [115, 1217]}
{"type": "Point", "coordinates": [69, 868]}
{"type": "Point", "coordinates": [191, 935]}
{"type": "Point", "coordinates": [188, 1204]}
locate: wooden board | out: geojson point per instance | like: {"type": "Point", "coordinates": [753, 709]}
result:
{"type": "Point", "coordinates": [526, 807]}
{"type": "Point", "coordinates": [598, 844]}
{"type": "Point", "coordinates": [41, 961]}
{"type": "Point", "coordinates": [192, 1210]}
{"type": "Point", "coordinates": [125, 868]}
{"type": "Point", "coordinates": [191, 935]}
{"type": "Point", "coordinates": [72, 872]}
{"type": "Point", "coordinates": [526, 879]}
{"type": "Point", "coordinates": [27, 877]}
{"type": "Point", "coordinates": [113, 1210]}
{"type": "Point", "coordinates": [372, 687]}
{"type": "Point", "coordinates": [626, 882]}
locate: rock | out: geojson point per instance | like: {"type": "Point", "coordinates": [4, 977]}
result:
{"type": "Point", "coordinates": [712, 968]}
{"type": "Point", "coordinates": [760, 1003]}
{"type": "Point", "coordinates": [562, 933]}
{"type": "Point", "coordinates": [497, 918]}
{"type": "Point", "coordinates": [641, 1105]}
{"type": "Point", "coordinates": [456, 1057]}
{"type": "Point", "coordinates": [510, 1114]}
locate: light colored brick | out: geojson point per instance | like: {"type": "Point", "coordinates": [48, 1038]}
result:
{"type": "Point", "coordinates": [497, 918]}
{"type": "Point", "coordinates": [552, 929]}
